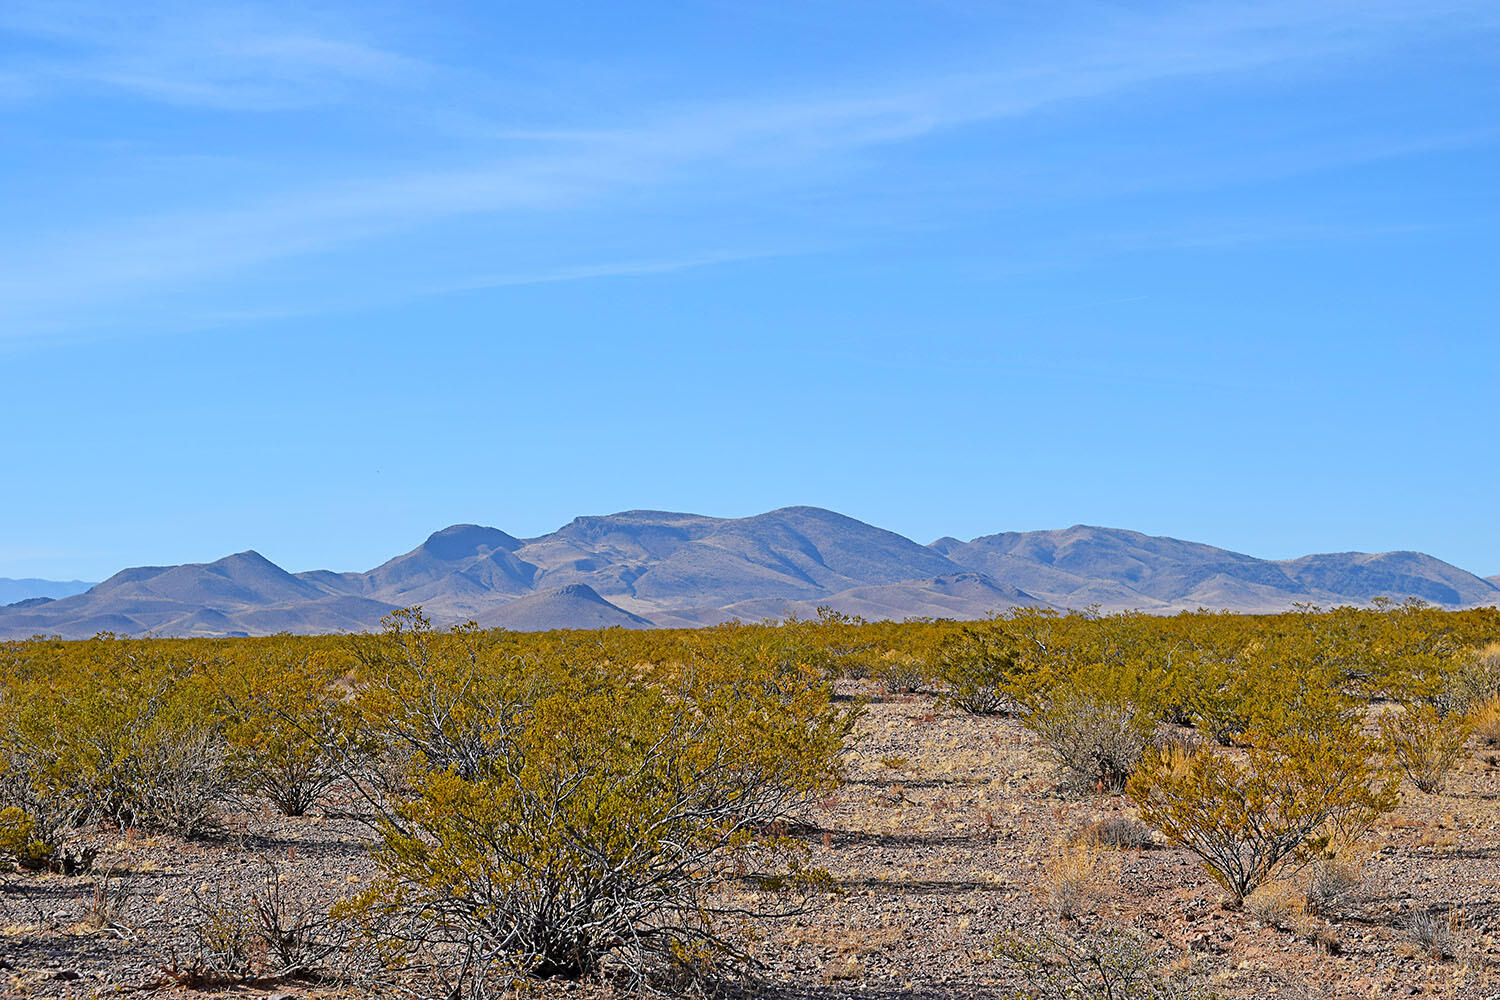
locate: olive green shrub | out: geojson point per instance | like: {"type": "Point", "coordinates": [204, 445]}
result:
{"type": "Point", "coordinates": [982, 669]}
{"type": "Point", "coordinates": [119, 731]}
{"type": "Point", "coordinates": [285, 723]}
{"type": "Point", "coordinates": [1425, 743]}
{"type": "Point", "coordinates": [558, 816]}
{"type": "Point", "coordinates": [1097, 721]}
{"type": "Point", "coordinates": [1308, 781]}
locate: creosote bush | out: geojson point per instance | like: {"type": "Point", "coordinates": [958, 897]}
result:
{"type": "Point", "coordinates": [981, 668]}
{"type": "Point", "coordinates": [1473, 680]}
{"type": "Point", "coordinates": [128, 735]}
{"type": "Point", "coordinates": [902, 673]}
{"type": "Point", "coordinates": [1097, 722]}
{"type": "Point", "coordinates": [21, 842]}
{"type": "Point", "coordinates": [1425, 743]}
{"type": "Point", "coordinates": [1103, 963]}
{"type": "Point", "coordinates": [1304, 786]}
{"type": "Point", "coordinates": [556, 813]}
{"type": "Point", "coordinates": [615, 801]}
{"type": "Point", "coordinates": [284, 726]}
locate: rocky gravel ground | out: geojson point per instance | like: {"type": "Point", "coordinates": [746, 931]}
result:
{"type": "Point", "coordinates": [941, 843]}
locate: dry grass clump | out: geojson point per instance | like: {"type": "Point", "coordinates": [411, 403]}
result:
{"type": "Point", "coordinates": [264, 934]}
{"type": "Point", "coordinates": [1279, 905]}
{"type": "Point", "coordinates": [111, 900]}
{"type": "Point", "coordinates": [1334, 883]}
{"type": "Point", "coordinates": [1485, 718]}
{"type": "Point", "coordinates": [1119, 833]}
{"type": "Point", "coordinates": [1076, 878]}
{"type": "Point", "coordinates": [1437, 935]}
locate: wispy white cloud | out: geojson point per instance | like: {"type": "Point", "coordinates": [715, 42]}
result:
{"type": "Point", "coordinates": [242, 59]}
{"type": "Point", "coordinates": [232, 57]}
{"type": "Point", "coordinates": [610, 269]}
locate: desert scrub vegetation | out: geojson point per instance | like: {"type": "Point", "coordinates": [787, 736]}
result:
{"type": "Point", "coordinates": [1097, 721]}
{"type": "Point", "coordinates": [1425, 743]}
{"type": "Point", "coordinates": [630, 806]}
{"type": "Point", "coordinates": [1335, 880]}
{"type": "Point", "coordinates": [1308, 781]}
{"type": "Point", "coordinates": [981, 668]}
{"type": "Point", "coordinates": [1117, 833]}
{"type": "Point", "coordinates": [902, 673]}
{"type": "Point", "coordinates": [126, 733]}
{"type": "Point", "coordinates": [285, 720]}
{"type": "Point", "coordinates": [1076, 877]}
{"type": "Point", "coordinates": [550, 814]}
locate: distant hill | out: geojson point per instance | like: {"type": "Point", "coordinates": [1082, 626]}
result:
{"type": "Point", "coordinates": [1119, 569]}
{"type": "Point", "coordinates": [574, 605]}
{"type": "Point", "coordinates": [12, 591]}
{"type": "Point", "coordinates": [244, 593]}
{"type": "Point", "coordinates": [640, 568]}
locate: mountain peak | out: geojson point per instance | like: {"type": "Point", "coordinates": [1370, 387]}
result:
{"type": "Point", "coordinates": [249, 557]}
{"type": "Point", "coordinates": [460, 541]}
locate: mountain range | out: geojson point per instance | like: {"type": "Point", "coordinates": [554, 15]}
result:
{"type": "Point", "coordinates": [12, 590]}
{"type": "Point", "coordinates": [640, 569]}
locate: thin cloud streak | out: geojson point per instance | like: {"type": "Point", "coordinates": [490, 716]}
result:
{"type": "Point", "coordinates": [614, 269]}
{"type": "Point", "coordinates": [688, 152]}
{"type": "Point", "coordinates": [235, 58]}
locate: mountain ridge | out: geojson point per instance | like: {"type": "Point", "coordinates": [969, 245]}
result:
{"type": "Point", "coordinates": [14, 590]}
{"type": "Point", "coordinates": [641, 568]}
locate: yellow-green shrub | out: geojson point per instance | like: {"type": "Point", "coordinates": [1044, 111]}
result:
{"type": "Point", "coordinates": [1425, 743]}
{"type": "Point", "coordinates": [1299, 787]}
{"type": "Point", "coordinates": [555, 810]}
{"type": "Point", "coordinates": [20, 841]}
{"type": "Point", "coordinates": [285, 723]}
{"type": "Point", "coordinates": [982, 669]}
{"type": "Point", "coordinates": [119, 731]}
{"type": "Point", "coordinates": [1472, 680]}
{"type": "Point", "coordinates": [1098, 721]}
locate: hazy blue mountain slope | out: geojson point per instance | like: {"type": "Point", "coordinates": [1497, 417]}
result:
{"type": "Point", "coordinates": [572, 606]}
{"type": "Point", "coordinates": [12, 590]}
{"type": "Point", "coordinates": [686, 560]}
{"type": "Point", "coordinates": [1084, 565]}
{"type": "Point", "coordinates": [1362, 576]}
{"type": "Point", "coordinates": [642, 567]}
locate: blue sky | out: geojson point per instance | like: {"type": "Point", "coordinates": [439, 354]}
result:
{"type": "Point", "coordinates": [318, 279]}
